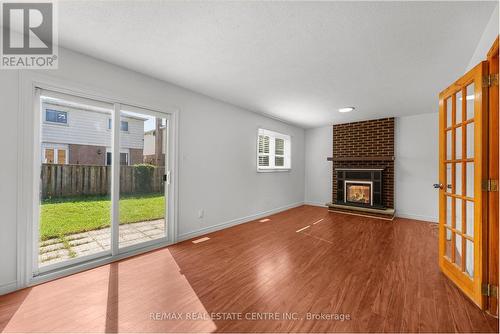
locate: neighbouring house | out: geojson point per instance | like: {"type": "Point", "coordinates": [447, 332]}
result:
{"type": "Point", "coordinates": [82, 136]}
{"type": "Point", "coordinates": [152, 142]}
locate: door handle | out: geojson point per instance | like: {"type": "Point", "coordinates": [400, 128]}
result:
{"type": "Point", "coordinates": [438, 186]}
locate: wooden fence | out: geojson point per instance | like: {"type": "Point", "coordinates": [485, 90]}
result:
{"type": "Point", "coordinates": [76, 180]}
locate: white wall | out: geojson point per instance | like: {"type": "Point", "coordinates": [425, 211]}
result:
{"type": "Point", "coordinates": [487, 39]}
{"type": "Point", "coordinates": [217, 153]}
{"type": "Point", "coordinates": [8, 178]}
{"type": "Point", "coordinates": [318, 143]}
{"type": "Point", "coordinates": [416, 170]}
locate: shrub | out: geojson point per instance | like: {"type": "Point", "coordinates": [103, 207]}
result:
{"type": "Point", "coordinates": [143, 177]}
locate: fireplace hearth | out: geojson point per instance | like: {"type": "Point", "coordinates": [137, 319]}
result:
{"type": "Point", "coordinates": [359, 187]}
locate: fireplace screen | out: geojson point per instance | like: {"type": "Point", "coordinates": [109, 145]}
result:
{"type": "Point", "coordinates": [358, 192]}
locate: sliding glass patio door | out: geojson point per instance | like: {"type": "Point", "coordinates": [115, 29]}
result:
{"type": "Point", "coordinates": [143, 186]}
{"type": "Point", "coordinates": [104, 179]}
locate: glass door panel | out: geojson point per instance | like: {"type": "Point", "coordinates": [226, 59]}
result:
{"type": "Point", "coordinates": [469, 260]}
{"type": "Point", "coordinates": [470, 101]}
{"type": "Point", "coordinates": [458, 142]}
{"type": "Point", "coordinates": [447, 252]}
{"type": "Point", "coordinates": [458, 214]}
{"type": "Point", "coordinates": [458, 249]}
{"type": "Point", "coordinates": [469, 177]}
{"type": "Point", "coordinates": [469, 219]}
{"type": "Point", "coordinates": [142, 204]}
{"type": "Point", "coordinates": [469, 152]}
{"type": "Point", "coordinates": [74, 210]}
{"type": "Point", "coordinates": [449, 113]}
{"type": "Point", "coordinates": [458, 108]}
{"type": "Point", "coordinates": [458, 177]}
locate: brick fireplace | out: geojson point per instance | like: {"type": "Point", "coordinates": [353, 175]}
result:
{"type": "Point", "coordinates": [363, 164]}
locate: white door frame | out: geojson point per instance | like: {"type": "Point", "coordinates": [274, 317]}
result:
{"type": "Point", "coordinates": [29, 170]}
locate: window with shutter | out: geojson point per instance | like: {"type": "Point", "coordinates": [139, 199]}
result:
{"type": "Point", "coordinates": [273, 151]}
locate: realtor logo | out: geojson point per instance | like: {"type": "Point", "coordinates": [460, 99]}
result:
{"type": "Point", "coordinates": [28, 35]}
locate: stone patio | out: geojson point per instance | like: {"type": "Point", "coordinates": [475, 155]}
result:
{"type": "Point", "coordinates": [86, 243]}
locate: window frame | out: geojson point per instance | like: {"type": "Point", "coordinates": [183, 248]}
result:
{"type": "Point", "coordinates": [127, 159]}
{"type": "Point", "coordinates": [56, 148]}
{"type": "Point", "coordinates": [287, 151]}
{"type": "Point", "coordinates": [46, 121]}
{"type": "Point", "coordinates": [121, 125]}
{"type": "Point", "coordinates": [122, 151]}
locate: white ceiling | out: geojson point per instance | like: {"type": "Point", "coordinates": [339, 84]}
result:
{"type": "Point", "coordinates": [297, 61]}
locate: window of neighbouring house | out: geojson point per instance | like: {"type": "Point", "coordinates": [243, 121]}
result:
{"type": "Point", "coordinates": [56, 116]}
{"type": "Point", "coordinates": [54, 153]}
{"type": "Point", "coordinates": [273, 151]}
{"type": "Point", "coordinates": [123, 159]}
{"type": "Point", "coordinates": [123, 125]}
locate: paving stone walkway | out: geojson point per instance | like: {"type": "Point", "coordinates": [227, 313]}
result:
{"type": "Point", "coordinates": [86, 243]}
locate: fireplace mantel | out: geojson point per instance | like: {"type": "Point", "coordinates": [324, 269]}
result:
{"type": "Point", "coordinates": [377, 158]}
{"type": "Point", "coordinates": [367, 169]}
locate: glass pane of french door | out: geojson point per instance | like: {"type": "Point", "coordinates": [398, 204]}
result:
{"type": "Point", "coordinates": [142, 202]}
{"type": "Point", "coordinates": [75, 181]}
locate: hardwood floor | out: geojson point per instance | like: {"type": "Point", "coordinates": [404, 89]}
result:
{"type": "Point", "coordinates": [383, 275]}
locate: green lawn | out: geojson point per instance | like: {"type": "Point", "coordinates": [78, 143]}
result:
{"type": "Point", "coordinates": [73, 215]}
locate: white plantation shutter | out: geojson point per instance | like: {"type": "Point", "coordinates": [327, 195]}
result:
{"type": "Point", "coordinates": [263, 151]}
{"type": "Point", "coordinates": [273, 150]}
{"type": "Point", "coordinates": [279, 152]}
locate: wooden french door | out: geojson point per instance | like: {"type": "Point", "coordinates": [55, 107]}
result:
{"type": "Point", "coordinates": [463, 135]}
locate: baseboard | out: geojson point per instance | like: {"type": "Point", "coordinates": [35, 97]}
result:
{"type": "Point", "coordinates": [417, 217]}
{"type": "Point", "coordinates": [8, 287]}
{"type": "Point", "coordinates": [323, 205]}
{"type": "Point", "coordinates": [234, 222]}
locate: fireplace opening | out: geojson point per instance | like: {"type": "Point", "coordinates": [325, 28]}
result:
{"type": "Point", "coordinates": [358, 192]}
{"type": "Point", "coordinates": [359, 187]}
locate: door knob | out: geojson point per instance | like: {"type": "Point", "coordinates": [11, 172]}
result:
{"type": "Point", "coordinates": [438, 186]}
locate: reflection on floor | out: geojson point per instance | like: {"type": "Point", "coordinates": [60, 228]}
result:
{"type": "Point", "coordinates": [86, 243]}
{"type": "Point", "coordinates": [341, 274]}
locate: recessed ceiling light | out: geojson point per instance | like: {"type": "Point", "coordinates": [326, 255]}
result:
{"type": "Point", "coordinates": [346, 109]}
